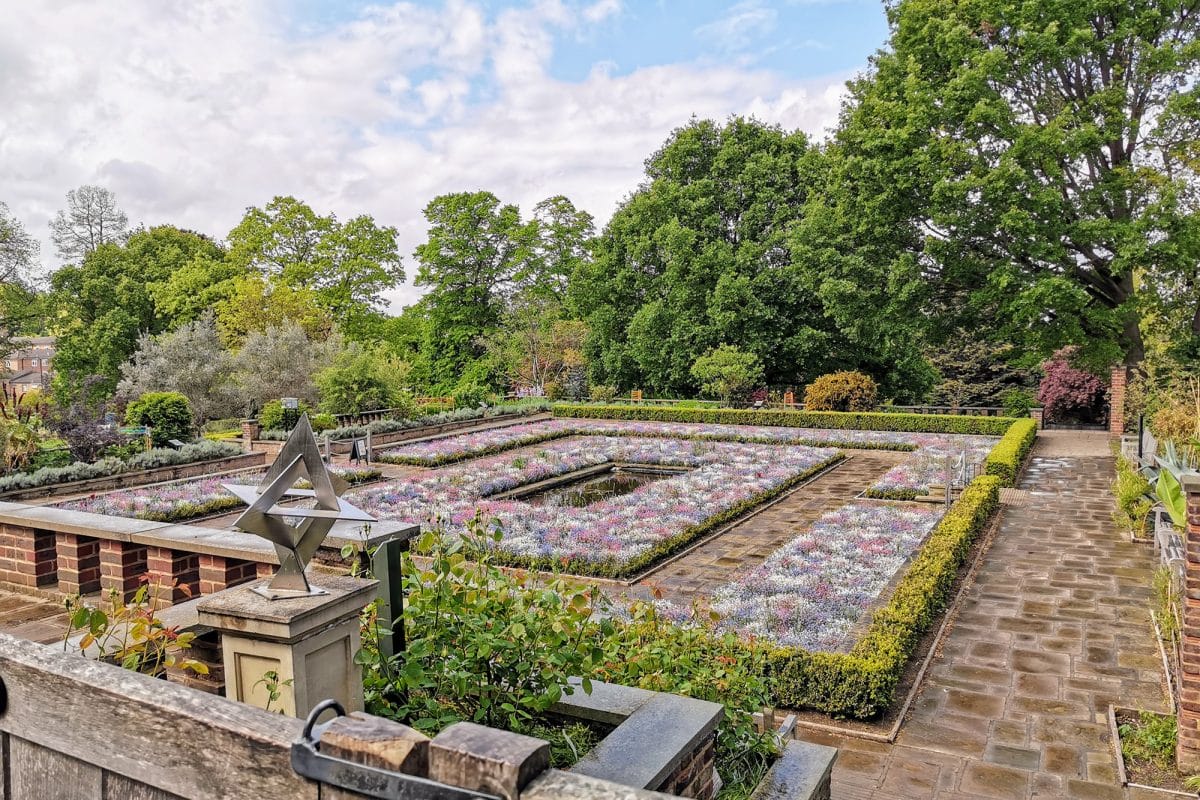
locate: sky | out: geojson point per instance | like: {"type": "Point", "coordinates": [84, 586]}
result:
{"type": "Point", "coordinates": [192, 112]}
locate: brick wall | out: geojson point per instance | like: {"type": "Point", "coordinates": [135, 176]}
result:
{"type": "Point", "coordinates": [1188, 740]}
{"type": "Point", "coordinates": [694, 777]}
{"type": "Point", "coordinates": [1116, 401]}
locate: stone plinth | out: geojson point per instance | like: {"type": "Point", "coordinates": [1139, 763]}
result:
{"type": "Point", "coordinates": [310, 641]}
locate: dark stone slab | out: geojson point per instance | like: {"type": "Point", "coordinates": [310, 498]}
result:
{"type": "Point", "coordinates": [803, 772]}
{"type": "Point", "coordinates": [653, 741]}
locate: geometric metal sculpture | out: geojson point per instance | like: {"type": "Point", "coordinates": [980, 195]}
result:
{"type": "Point", "coordinates": [294, 543]}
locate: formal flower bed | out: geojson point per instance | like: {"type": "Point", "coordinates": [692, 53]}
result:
{"type": "Point", "coordinates": [813, 590]}
{"type": "Point", "coordinates": [188, 499]}
{"type": "Point", "coordinates": [932, 464]}
{"type": "Point", "coordinates": [471, 445]}
{"type": "Point", "coordinates": [611, 537]}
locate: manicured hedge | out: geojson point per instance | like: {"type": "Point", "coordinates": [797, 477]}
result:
{"type": "Point", "coordinates": [1009, 453]}
{"type": "Point", "coordinates": [854, 420]}
{"type": "Point", "coordinates": [862, 683]}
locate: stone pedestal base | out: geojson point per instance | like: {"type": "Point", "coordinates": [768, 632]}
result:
{"type": "Point", "coordinates": [308, 643]}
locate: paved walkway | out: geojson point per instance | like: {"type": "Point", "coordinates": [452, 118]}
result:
{"type": "Point", "coordinates": [1053, 629]}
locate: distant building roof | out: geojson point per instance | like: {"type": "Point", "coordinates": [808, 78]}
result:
{"type": "Point", "coordinates": [34, 347]}
{"type": "Point", "coordinates": [27, 377]}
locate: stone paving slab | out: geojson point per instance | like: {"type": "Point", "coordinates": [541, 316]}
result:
{"type": "Point", "coordinates": [1054, 627]}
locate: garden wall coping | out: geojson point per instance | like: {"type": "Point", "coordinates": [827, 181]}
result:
{"type": "Point", "coordinates": [190, 538]}
{"type": "Point", "coordinates": [609, 703]}
{"type": "Point", "coordinates": [652, 741]}
{"type": "Point", "coordinates": [555, 784]}
{"type": "Point", "coordinates": [802, 772]}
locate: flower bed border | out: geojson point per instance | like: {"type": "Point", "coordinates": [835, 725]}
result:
{"type": "Point", "coordinates": [861, 683]}
{"type": "Point", "coordinates": [663, 550]}
{"type": "Point", "coordinates": [549, 436]}
{"type": "Point", "coordinates": [132, 479]}
{"type": "Point", "coordinates": [838, 420]}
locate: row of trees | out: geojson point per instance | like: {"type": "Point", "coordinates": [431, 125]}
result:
{"type": "Point", "coordinates": [1004, 181]}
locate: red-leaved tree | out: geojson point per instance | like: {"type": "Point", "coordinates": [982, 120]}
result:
{"type": "Point", "coordinates": [1066, 391]}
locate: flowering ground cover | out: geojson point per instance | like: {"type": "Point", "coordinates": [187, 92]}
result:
{"type": "Point", "coordinates": [812, 591]}
{"type": "Point", "coordinates": [913, 477]}
{"type": "Point", "coordinates": [613, 537]}
{"type": "Point", "coordinates": [182, 500]}
{"type": "Point", "coordinates": [932, 464]}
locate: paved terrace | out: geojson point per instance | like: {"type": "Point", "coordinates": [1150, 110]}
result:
{"type": "Point", "coordinates": [1053, 629]}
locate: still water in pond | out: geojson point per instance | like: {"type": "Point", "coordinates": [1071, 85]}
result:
{"type": "Point", "coordinates": [593, 489]}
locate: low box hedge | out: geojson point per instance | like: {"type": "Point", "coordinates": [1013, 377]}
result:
{"type": "Point", "coordinates": [840, 420]}
{"type": "Point", "coordinates": [1008, 455]}
{"type": "Point", "coordinates": [861, 683]}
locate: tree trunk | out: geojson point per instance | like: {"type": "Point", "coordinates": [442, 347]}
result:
{"type": "Point", "coordinates": [1135, 351]}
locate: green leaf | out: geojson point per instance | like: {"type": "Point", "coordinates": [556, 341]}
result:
{"type": "Point", "coordinates": [1170, 494]}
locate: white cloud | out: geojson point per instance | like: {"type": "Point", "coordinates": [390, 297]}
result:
{"type": "Point", "coordinates": [740, 27]}
{"type": "Point", "coordinates": [192, 112]}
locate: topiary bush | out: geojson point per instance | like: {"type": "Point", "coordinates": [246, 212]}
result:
{"type": "Point", "coordinates": [602, 393]}
{"type": "Point", "coordinates": [322, 422]}
{"type": "Point", "coordinates": [274, 417]}
{"type": "Point", "coordinates": [167, 414]}
{"type": "Point", "coordinates": [841, 391]}
{"type": "Point", "coordinates": [470, 396]}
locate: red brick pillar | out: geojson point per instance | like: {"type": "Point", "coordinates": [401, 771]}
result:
{"type": "Point", "coordinates": [1116, 401]}
{"type": "Point", "coordinates": [250, 431]}
{"type": "Point", "coordinates": [27, 556]}
{"type": "Point", "coordinates": [122, 566]}
{"type": "Point", "coordinates": [1187, 749]}
{"type": "Point", "coordinates": [1038, 415]}
{"type": "Point", "coordinates": [78, 563]}
{"type": "Point", "coordinates": [168, 568]}
{"type": "Point", "coordinates": [217, 573]}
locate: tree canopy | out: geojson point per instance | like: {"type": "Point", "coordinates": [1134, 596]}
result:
{"type": "Point", "coordinates": [703, 254]}
{"type": "Point", "coordinates": [1036, 161]}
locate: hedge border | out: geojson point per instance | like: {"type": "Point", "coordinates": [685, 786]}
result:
{"type": "Point", "coordinates": [837, 420]}
{"type": "Point", "coordinates": [533, 439]}
{"type": "Point", "coordinates": [862, 683]}
{"type": "Point", "coordinates": [1006, 458]}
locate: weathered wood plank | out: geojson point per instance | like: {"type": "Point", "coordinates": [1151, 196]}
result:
{"type": "Point", "coordinates": [40, 773]}
{"type": "Point", "coordinates": [157, 733]}
{"type": "Point", "coordinates": [118, 787]}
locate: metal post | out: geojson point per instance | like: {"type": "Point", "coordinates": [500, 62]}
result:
{"type": "Point", "coordinates": [1141, 434]}
{"type": "Point", "coordinates": [368, 446]}
{"type": "Point", "coordinates": [386, 565]}
{"type": "Point", "coordinates": [328, 451]}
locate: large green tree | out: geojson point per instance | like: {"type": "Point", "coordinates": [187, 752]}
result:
{"type": "Point", "coordinates": [108, 301]}
{"type": "Point", "coordinates": [1034, 163]}
{"type": "Point", "coordinates": [475, 248]}
{"type": "Point", "coordinates": [702, 255]}
{"type": "Point", "coordinates": [494, 277]}
{"type": "Point", "coordinates": [18, 254]}
{"type": "Point", "coordinates": [346, 265]}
